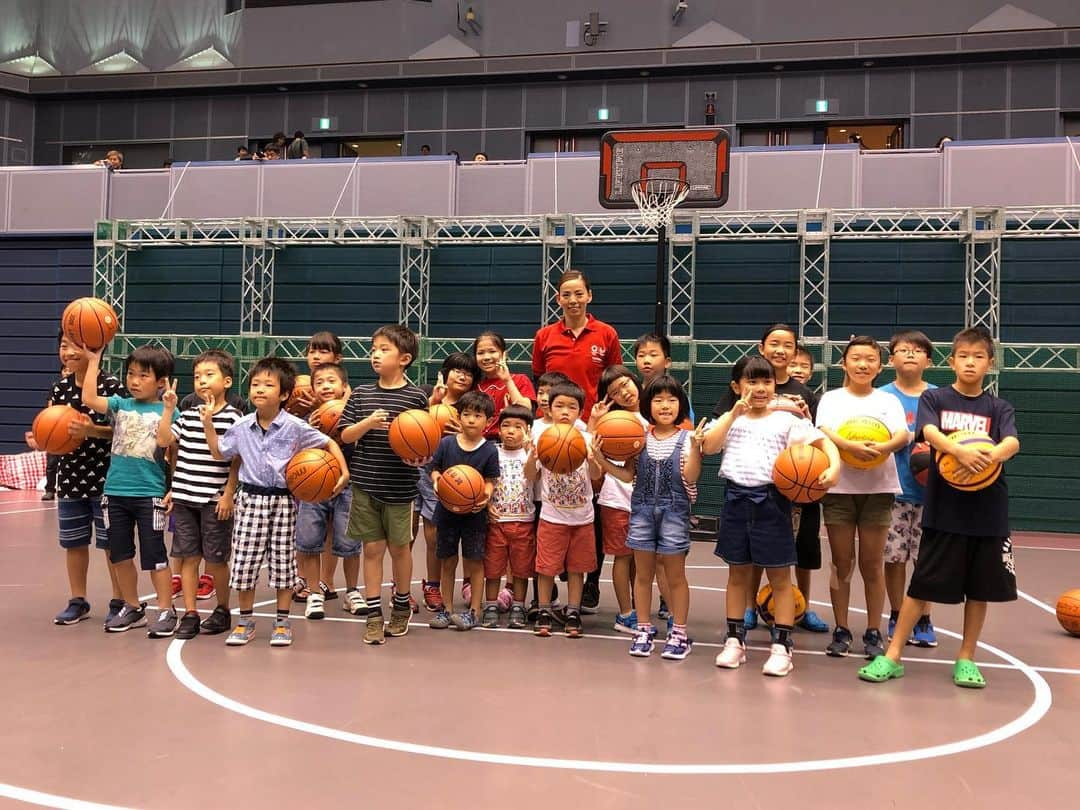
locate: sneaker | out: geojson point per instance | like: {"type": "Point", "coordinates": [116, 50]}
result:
{"type": "Point", "coordinates": [177, 586]}
{"type": "Point", "coordinates": [543, 623]}
{"type": "Point", "coordinates": [518, 619]}
{"type": "Point", "coordinates": [812, 622]}
{"type": "Point", "coordinates": [573, 625]}
{"type": "Point", "coordinates": [354, 603]}
{"type": "Point", "coordinates": [873, 644]}
{"type": "Point", "coordinates": [415, 608]}
{"type": "Point", "coordinates": [327, 592]}
{"type": "Point", "coordinates": [643, 644]}
{"type": "Point", "coordinates": [670, 624]}
{"type": "Point", "coordinates": [206, 588]}
{"type": "Point", "coordinates": [433, 600]}
{"type": "Point", "coordinates": [890, 631]}
{"type": "Point", "coordinates": [466, 620]}
{"type": "Point", "coordinates": [282, 635]}
{"type": "Point", "coordinates": [663, 612]}
{"type": "Point", "coordinates": [466, 592]}
{"type": "Point", "coordinates": [76, 611]}
{"type": "Point", "coordinates": [504, 600]}
{"type": "Point", "coordinates": [840, 644]}
{"type": "Point", "coordinates": [374, 632]}
{"type": "Point", "coordinates": [219, 621]}
{"type": "Point", "coordinates": [627, 623]}
{"type": "Point", "coordinates": [733, 655]}
{"type": "Point", "coordinates": [399, 622]}
{"type": "Point", "coordinates": [440, 621]}
{"type": "Point", "coordinates": [164, 625]}
{"type": "Point", "coordinates": [750, 619]}
{"type": "Point", "coordinates": [189, 626]}
{"type": "Point", "coordinates": [881, 669]}
{"type": "Point", "coordinates": [126, 618]}
{"type": "Point", "coordinates": [558, 615]}
{"type": "Point", "coordinates": [677, 647]}
{"type": "Point", "coordinates": [533, 612]}
{"type": "Point", "coordinates": [115, 606]}
{"type": "Point", "coordinates": [778, 664]}
{"type": "Point", "coordinates": [315, 609]}
{"type": "Point", "coordinates": [590, 597]}
{"type": "Point", "coordinates": [924, 635]}
{"type": "Point", "coordinates": [48, 495]}
{"type": "Point", "coordinates": [491, 617]}
{"type": "Point", "coordinates": [242, 633]}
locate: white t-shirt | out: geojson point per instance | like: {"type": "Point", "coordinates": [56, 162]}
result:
{"type": "Point", "coordinates": [567, 499]}
{"type": "Point", "coordinates": [615, 493]}
{"type": "Point", "coordinates": [835, 408]}
{"type": "Point", "coordinates": [752, 445]}
{"type": "Point", "coordinates": [512, 497]}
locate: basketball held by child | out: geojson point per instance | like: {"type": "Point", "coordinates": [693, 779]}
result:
{"type": "Point", "coordinates": [863, 429]}
{"type": "Point", "coordinates": [50, 429]}
{"type": "Point", "coordinates": [443, 414]}
{"type": "Point", "coordinates": [301, 388]}
{"type": "Point", "coordinates": [920, 461]}
{"type": "Point", "coordinates": [460, 488]}
{"type": "Point", "coordinates": [796, 473]}
{"type": "Point", "coordinates": [327, 416]}
{"type": "Point", "coordinates": [623, 435]}
{"type": "Point", "coordinates": [89, 322]}
{"type": "Point", "coordinates": [561, 449]}
{"type": "Point", "coordinates": [959, 477]}
{"type": "Point", "coordinates": [312, 474]}
{"type": "Point", "coordinates": [414, 434]}
{"type": "Point", "coordinates": [766, 605]}
{"type": "Point", "coordinates": [1068, 611]}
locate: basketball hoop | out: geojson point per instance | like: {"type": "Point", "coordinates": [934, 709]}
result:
{"type": "Point", "coordinates": [657, 198]}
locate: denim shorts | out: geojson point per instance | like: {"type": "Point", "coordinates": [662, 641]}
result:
{"type": "Point", "coordinates": [312, 520]}
{"type": "Point", "coordinates": [660, 529]}
{"type": "Point", "coordinates": [123, 514]}
{"type": "Point", "coordinates": [425, 496]}
{"type": "Point", "coordinates": [468, 536]}
{"type": "Point", "coordinates": [78, 518]}
{"type": "Point", "coordinates": [757, 533]}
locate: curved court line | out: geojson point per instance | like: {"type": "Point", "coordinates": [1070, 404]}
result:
{"type": "Point", "coordinates": [52, 800]}
{"type": "Point", "coordinates": [1040, 705]}
{"type": "Point", "coordinates": [1036, 602]}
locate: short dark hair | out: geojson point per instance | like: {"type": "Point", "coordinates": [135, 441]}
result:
{"type": "Point", "coordinates": [402, 337]}
{"type": "Point", "coordinates": [652, 337]}
{"type": "Point", "coordinates": [915, 338]}
{"type": "Point", "coordinates": [282, 369]}
{"type": "Point", "coordinates": [516, 412]}
{"type": "Point", "coordinates": [220, 358]}
{"type": "Point", "coordinates": [573, 275]}
{"type": "Point", "coordinates": [752, 367]}
{"type": "Point", "coordinates": [779, 327]}
{"type": "Point", "coordinates": [974, 334]}
{"type": "Point", "coordinates": [242, 148]}
{"type": "Point", "coordinates": [550, 378]}
{"type": "Point", "coordinates": [567, 389]}
{"type": "Point", "coordinates": [861, 340]}
{"type": "Point", "coordinates": [326, 341]}
{"type": "Point", "coordinates": [271, 148]}
{"type": "Point", "coordinates": [337, 368]}
{"type": "Point", "coordinates": [610, 375]}
{"type": "Point", "coordinates": [476, 401]}
{"type": "Point", "coordinates": [298, 134]}
{"type": "Point", "coordinates": [157, 359]}
{"type": "Point", "coordinates": [665, 384]}
{"type": "Point", "coordinates": [459, 361]}
{"type": "Point", "coordinates": [802, 348]}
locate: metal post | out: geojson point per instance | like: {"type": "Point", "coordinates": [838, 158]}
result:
{"type": "Point", "coordinates": [555, 235]}
{"type": "Point", "coordinates": [110, 267]}
{"type": "Point", "coordinates": [982, 275]}
{"type": "Point", "coordinates": [256, 281]}
{"type": "Point", "coordinates": [414, 283]}
{"type": "Point", "coordinates": [815, 229]}
{"type": "Point", "coordinates": [682, 264]}
{"type": "Point", "coordinates": [661, 273]}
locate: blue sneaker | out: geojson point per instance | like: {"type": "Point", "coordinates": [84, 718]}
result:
{"type": "Point", "coordinates": [670, 624]}
{"type": "Point", "coordinates": [627, 623]}
{"type": "Point", "coordinates": [750, 619]}
{"type": "Point", "coordinates": [924, 635]}
{"type": "Point", "coordinates": [663, 612]}
{"type": "Point", "coordinates": [677, 647]}
{"type": "Point", "coordinates": [466, 620]}
{"type": "Point", "coordinates": [892, 629]}
{"type": "Point", "coordinates": [643, 645]}
{"type": "Point", "coordinates": [812, 622]}
{"type": "Point", "coordinates": [440, 621]}
{"type": "Point", "coordinates": [76, 611]}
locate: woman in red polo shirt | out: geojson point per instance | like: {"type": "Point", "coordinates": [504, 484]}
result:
{"type": "Point", "coordinates": [578, 345]}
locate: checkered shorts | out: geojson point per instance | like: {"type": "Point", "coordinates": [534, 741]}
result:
{"type": "Point", "coordinates": [263, 525]}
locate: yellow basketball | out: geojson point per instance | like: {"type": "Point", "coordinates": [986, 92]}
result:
{"type": "Point", "coordinates": [863, 429]}
{"type": "Point", "coordinates": [767, 608]}
{"type": "Point", "coordinates": [951, 470]}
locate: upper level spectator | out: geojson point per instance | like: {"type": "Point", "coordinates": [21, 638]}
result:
{"type": "Point", "coordinates": [114, 159]}
{"type": "Point", "coordinates": [272, 152]}
{"type": "Point", "coordinates": [480, 157]}
{"type": "Point", "coordinates": [425, 149]}
{"type": "Point", "coordinates": [242, 153]}
{"type": "Point", "coordinates": [280, 142]}
{"type": "Point", "coordinates": [298, 149]}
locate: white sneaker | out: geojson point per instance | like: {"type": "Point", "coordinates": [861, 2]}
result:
{"type": "Point", "coordinates": [733, 655]}
{"type": "Point", "coordinates": [779, 662]}
{"type": "Point", "coordinates": [314, 608]}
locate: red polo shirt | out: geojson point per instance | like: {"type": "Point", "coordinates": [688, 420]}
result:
{"type": "Point", "coordinates": [582, 358]}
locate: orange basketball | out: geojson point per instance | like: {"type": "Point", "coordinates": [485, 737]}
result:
{"type": "Point", "coordinates": [90, 322]}
{"type": "Point", "coordinates": [950, 468]}
{"type": "Point", "coordinates": [301, 387]}
{"type": "Point", "coordinates": [327, 416]}
{"type": "Point", "coordinates": [312, 474]}
{"type": "Point", "coordinates": [414, 434]}
{"type": "Point", "coordinates": [443, 414]}
{"type": "Point", "coordinates": [623, 434]}
{"type": "Point", "coordinates": [1068, 611]}
{"type": "Point", "coordinates": [50, 429]}
{"type": "Point", "coordinates": [459, 488]}
{"type": "Point", "coordinates": [561, 449]}
{"type": "Point", "coordinates": [796, 472]}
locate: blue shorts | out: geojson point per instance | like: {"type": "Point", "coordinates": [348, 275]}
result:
{"type": "Point", "coordinates": [426, 499]}
{"type": "Point", "coordinates": [756, 533]}
{"type": "Point", "coordinates": [77, 518]}
{"type": "Point", "coordinates": [470, 536]}
{"type": "Point", "coordinates": [124, 514]}
{"type": "Point", "coordinates": [311, 522]}
{"type": "Point", "coordinates": [659, 529]}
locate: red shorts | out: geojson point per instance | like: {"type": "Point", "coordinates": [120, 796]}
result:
{"type": "Point", "coordinates": [616, 525]}
{"type": "Point", "coordinates": [565, 548]}
{"type": "Point", "coordinates": [513, 541]}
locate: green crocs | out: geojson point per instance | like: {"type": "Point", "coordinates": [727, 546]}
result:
{"type": "Point", "coordinates": [881, 669]}
{"type": "Point", "coordinates": [967, 675]}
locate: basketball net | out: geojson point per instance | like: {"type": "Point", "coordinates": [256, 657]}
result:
{"type": "Point", "coordinates": [656, 199]}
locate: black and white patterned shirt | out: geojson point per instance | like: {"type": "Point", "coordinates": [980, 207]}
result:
{"type": "Point", "coordinates": [81, 473]}
{"type": "Point", "coordinates": [199, 478]}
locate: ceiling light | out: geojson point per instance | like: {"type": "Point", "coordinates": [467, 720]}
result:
{"type": "Point", "coordinates": [121, 62]}
{"type": "Point", "coordinates": [207, 58]}
{"type": "Point", "coordinates": [31, 65]}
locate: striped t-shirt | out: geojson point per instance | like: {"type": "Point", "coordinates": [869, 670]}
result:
{"type": "Point", "coordinates": [199, 478]}
{"type": "Point", "coordinates": [375, 468]}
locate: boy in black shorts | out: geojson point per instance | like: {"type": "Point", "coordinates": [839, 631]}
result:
{"type": "Point", "coordinates": [966, 553]}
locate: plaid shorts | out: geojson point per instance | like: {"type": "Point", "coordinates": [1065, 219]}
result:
{"type": "Point", "coordinates": [263, 525]}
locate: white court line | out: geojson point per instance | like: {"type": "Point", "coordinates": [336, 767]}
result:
{"type": "Point", "coordinates": [1037, 603]}
{"type": "Point", "coordinates": [52, 800]}
{"type": "Point", "coordinates": [24, 511]}
{"type": "Point", "coordinates": [1043, 548]}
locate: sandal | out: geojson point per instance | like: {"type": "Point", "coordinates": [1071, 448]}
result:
{"type": "Point", "coordinates": [881, 669]}
{"type": "Point", "coordinates": [300, 591]}
{"type": "Point", "coordinates": [967, 675]}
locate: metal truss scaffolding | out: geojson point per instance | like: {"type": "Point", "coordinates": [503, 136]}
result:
{"type": "Point", "coordinates": [414, 284]}
{"type": "Point", "coordinates": [257, 283]}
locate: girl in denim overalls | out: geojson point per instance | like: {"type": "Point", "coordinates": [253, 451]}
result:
{"type": "Point", "coordinates": [664, 478]}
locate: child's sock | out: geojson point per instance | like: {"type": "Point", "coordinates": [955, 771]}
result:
{"type": "Point", "coordinates": [736, 628]}
{"type": "Point", "coordinates": [894, 615]}
{"type": "Point", "coordinates": [432, 583]}
{"type": "Point", "coordinates": [401, 601]}
{"type": "Point", "coordinates": [282, 614]}
{"type": "Point", "coordinates": [246, 614]}
{"type": "Point", "coordinates": [351, 590]}
{"type": "Point", "coordinates": [374, 605]}
{"type": "Point", "coordinates": [644, 627]}
{"type": "Point", "coordinates": [678, 630]}
{"type": "Point", "coordinates": [783, 634]}
{"type": "Point", "coordinates": [924, 619]}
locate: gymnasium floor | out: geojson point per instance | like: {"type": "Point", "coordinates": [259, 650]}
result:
{"type": "Point", "coordinates": [506, 720]}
